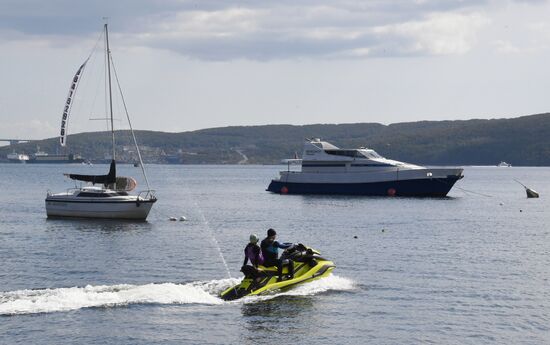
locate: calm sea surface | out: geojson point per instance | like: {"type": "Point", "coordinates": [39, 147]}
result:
{"type": "Point", "coordinates": [468, 269]}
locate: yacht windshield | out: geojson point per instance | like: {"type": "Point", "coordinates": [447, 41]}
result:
{"type": "Point", "coordinates": [346, 153]}
{"type": "Point", "coordinates": [370, 154]}
{"type": "Point", "coordinates": [361, 153]}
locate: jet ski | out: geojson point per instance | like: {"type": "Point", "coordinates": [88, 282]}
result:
{"type": "Point", "coordinates": [308, 266]}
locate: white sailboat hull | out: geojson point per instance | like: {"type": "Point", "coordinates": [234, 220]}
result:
{"type": "Point", "coordinates": [114, 209]}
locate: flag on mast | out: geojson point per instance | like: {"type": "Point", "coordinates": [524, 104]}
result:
{"type": "Point", "coordinates": [68, 104]}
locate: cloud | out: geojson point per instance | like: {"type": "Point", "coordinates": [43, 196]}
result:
{"type": "Point", "coordinates": [438, 34]}
{"type": "Point", "coordinates": [260, 30]}
{"type": "Point", "coordinates": [28, 129]}
{"type": "Point", "coordinates": [506, 47]}
{"type": "Point", "coordinates": [313, 31]}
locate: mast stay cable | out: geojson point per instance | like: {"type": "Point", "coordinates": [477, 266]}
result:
{"type": "Point", "coordinates": [130, 124]}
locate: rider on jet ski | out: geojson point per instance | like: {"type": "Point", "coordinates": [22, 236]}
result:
{"type": "Point", "coordinates": [270, 252]}
{"type": "Point", "coordinates": [253, 252]}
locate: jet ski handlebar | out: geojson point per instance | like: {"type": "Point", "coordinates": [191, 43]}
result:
{"type": "Point", "coordinates": [298, 250]}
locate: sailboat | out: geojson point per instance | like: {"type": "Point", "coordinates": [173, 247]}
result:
{"type": "Point", "coordinates": [108, 195]}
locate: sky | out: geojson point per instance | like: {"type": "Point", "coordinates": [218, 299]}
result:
{"type": "Point", "coordinates": [187, 65]}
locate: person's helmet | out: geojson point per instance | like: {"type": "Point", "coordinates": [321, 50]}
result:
{"type": "Point", "coordinates": [254, 238]}
{"type": "Point", "coordinates": [271, 232]}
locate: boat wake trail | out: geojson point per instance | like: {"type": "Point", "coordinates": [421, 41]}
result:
{"type": "Point", "coordinates": [73, 298]}
{"type": "Point", "coordinates": [64, 299]}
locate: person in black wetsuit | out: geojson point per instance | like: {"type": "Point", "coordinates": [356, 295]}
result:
{"type": "Point", "coordinates": [270, 252]}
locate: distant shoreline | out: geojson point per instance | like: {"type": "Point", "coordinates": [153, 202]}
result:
{"type": "Point", "coordinates": [521, 141]}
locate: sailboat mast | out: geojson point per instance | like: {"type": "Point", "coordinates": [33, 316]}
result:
{"type": "Point", "coordinates": [108, 52]}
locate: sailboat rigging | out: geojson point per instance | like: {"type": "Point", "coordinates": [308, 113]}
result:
{"type": "Point", "coordinates": [111, 198]}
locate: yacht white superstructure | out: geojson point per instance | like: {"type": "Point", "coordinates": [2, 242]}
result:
{"type": "Point", "coordinates": [504, 164]}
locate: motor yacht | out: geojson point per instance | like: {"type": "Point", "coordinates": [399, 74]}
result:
{"type": "Point", "coordinates": [327, 169]}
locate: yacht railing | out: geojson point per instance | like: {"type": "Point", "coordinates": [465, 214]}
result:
{"type": "Point", "coordinates": [146, 194]}
{"type": "Point", "coordinates": [73, 189]}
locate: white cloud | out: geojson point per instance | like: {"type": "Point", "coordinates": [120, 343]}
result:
{"type": "Point", "coordinates": [226, 30]}
{"type": "Point", "coordinates": [195, 64]}
{"type": "Point", "coordinates": [506, 47]}
{"type": "Point", "coordinates": [438, 34]}
{"type": "Point", "coordinates": [540, 31]}
{"type": "Point", "coordinates": [28, 129]}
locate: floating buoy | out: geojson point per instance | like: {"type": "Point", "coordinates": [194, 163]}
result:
{"type": "Point", "coordinates": [354, 236]}
{"type": "Point", "coordinates": [391, 192]}
{"type": "Point", "coordinates": [521, 210]}
{"type": "Point", "coordinates": [173, 219]}
{"type": "Point", "coordinates": [531, 193]}
{"type": "Point", "coordinates": [383, 230]}
{"type": "Point", "coordinates": [183, 219]}
{"type": "Point", "coordinates": [501, 204]}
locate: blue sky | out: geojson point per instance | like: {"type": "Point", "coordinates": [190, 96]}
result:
{"type": "Point", "coordinates": [187, 65]}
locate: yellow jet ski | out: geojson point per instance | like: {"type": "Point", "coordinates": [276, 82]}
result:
{"type": "Point", "coordinates": [308, 266]}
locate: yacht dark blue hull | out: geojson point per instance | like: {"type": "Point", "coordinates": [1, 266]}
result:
{"type": "Point", "coordinates": [428, 187]}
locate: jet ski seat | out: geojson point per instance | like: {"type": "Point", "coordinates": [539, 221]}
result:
{"type": "Point", "coordinates": [252, 272]}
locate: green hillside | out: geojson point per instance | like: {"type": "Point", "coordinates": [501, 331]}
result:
{"type": "Point", "coordinates": [520, 141]}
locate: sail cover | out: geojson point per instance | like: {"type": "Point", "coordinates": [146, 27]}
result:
{"type": "Point", "coordinates": [103, 179]}
{"type": "Point", "coordinates": [68, 104]}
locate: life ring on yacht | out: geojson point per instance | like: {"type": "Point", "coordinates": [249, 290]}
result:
{"type": "Point", "coordinates": [284, 190]}
{"type": "Point", "coordinates": [391, 191]}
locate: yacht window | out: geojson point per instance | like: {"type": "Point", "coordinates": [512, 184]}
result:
{"type": "Point", "coordinates": [93, 195]}
{"type": "Point", "coordinates": [355, 153]}
{"type": "Point", "coordinates": [346, 153]}
{"type": "Point", "coordinates": [370, 154]}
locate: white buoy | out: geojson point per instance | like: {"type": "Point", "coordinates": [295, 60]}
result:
{"type": "Point", "coordinates": [173, 219]}
{"type": "Point", "coordinates": [183, 219]}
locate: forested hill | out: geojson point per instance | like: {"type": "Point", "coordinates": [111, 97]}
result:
{"type": "Point", "coordinates": [520, 141]}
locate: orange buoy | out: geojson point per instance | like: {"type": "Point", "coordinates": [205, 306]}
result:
{"type": "Point", "coordinates": [391, 192]}
{"type": "Point", "coordinates": [284, 190]}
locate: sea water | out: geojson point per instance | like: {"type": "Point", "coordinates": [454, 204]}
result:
{"type": "Point", "coordinates": [472, 268]}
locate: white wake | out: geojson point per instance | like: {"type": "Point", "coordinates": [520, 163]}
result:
{"type": "Point", "coordinates": [63, 299]}
{"type": "Point", "coordinates": [72, 298]}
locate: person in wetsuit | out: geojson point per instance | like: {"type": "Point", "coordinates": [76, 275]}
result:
{"type": "Point", "coordinates": [270, 252]}
{"type": "Point", "coordinates": [253, 252]}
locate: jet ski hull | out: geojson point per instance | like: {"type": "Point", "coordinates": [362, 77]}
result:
{"type": "Point", "coordinates": [304, 271]}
